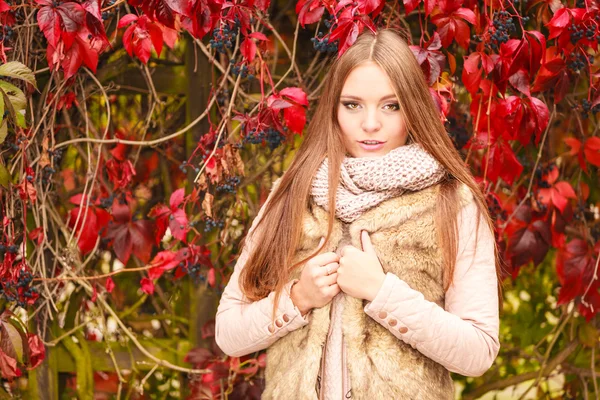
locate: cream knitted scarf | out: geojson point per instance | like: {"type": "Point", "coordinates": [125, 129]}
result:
{"type": "Point", "coordinates": [367, 181]}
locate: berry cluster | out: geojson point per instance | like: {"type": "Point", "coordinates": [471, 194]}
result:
{"type": "Point", "coordinates": [223, 38]}
{"type": "Point", "coordinates": [586, 105]}
{"type": "Point", "coordinates": [323, 45]}
{"type": "Point", "coordinates": [503, 24]}
{"type": "Point", "coordinates": [20, 291]}
{"type": "Point", "coordinates": [271, 136]}
{"type": "Point", "coordinates": [230, 185]}
{"type": "Point", "coordinates": [241, 70]}
{"type": "Point", "coordinates": [577, 63]}
{"type": "Point", "coordinates": [6, 33]}
{"type": "Point", "coordinates": [576, 33]}
{"type": "Point", "coordinates": [195, 272]}
{"type": "Point", "coordinates": [540, 174]}
{"type": "Point", "coordinates": [184, 165]}
{"type": "Point", "coordinates": [11, 249]}
{"type": "Point", "coordinates": [211, 224]}
{"type": "Point", "coordinates": [457, 131]}
{"type": "Point", "coordinates": [222, 97]}
{"type": "Point", "coordinates": [47, 172]}
{"type": "Point", "coordinates": [495, 208]}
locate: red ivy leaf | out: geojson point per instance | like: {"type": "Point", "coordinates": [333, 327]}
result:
{"type": "Point", "coordinates": [37, 350]}
{"type": "Point", "coordinates": [295, 118]}
{"type": "Point", "coordinates": [109, 285]}
{"type": "Point", "coordinates": [575, 265]}
{"type": "Point", "coordinates": [147, 286]}
{"type": "Point", "coordinates": [309, 11]}
{"type": "Point", "coordinates": [130, 236]}
{"type": "Point", "coordinates": [8, 366]}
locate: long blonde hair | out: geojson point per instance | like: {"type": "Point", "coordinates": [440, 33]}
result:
{"type": "Point", "coordinates": [269, 265]}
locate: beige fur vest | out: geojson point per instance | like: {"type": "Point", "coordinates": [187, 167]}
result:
{"type": "Point", "coordinates": [403, 232]}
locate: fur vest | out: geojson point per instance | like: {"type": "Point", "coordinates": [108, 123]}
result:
{"type": "Point", "coordinates": [404, 235]}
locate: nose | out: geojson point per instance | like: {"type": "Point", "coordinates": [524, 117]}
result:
{"type": "Point", "coordinates": [371, 122]}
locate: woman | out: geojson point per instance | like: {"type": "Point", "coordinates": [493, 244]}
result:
{"type": "Point", "coordinates": [359, 274]}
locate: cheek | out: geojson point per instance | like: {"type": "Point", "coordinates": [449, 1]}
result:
{"type": "Point", "coordinates": [399, 130]}
{"type": "Point", "coordinates": [346, 123]}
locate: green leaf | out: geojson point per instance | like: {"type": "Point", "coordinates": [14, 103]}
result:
{"type": "Point", "coordinates": [4, 175]}
{"type": "Point", "coordinates": [1, 113]}
{"type": "Point", "coordinates": [15, 101]}
{"type": "Point", "coordinates": [17, 70]}
{"type": "Point", "coordinates": [3, 131]}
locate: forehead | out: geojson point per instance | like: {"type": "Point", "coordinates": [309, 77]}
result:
{"type": "Point", "coordinates": [368, 80]}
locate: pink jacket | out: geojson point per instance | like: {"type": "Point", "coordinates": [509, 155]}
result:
{"type": "Point", "coordinates": [463, 336]}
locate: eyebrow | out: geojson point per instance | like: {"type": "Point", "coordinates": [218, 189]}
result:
{"type": "Point", "coordinates": [387, 97]}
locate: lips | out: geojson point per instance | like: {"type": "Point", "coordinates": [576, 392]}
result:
{"type": "Point", "coordinates": [371, 145]}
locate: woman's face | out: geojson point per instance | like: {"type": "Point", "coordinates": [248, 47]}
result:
{"type": "Point", "coordinates": [369, 113]}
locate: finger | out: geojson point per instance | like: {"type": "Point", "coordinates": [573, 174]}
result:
{"type": "Point", "coordinates": [321, 242]}
{"type": "Point", "coordinates": [331, 268]}
{"type": "Point", "coordinates": [330, 279]}
{"type": "Point", "coordinates": [333, 290]}
{"type": "Point", "coordinates": [344, 250]}
{"type": "Point", "coordinates": [365, 239]}
{"type": "Point", "coordinates": [326, 258]}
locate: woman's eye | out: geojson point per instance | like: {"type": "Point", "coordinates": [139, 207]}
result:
{"type": "Point", "coordinates": [393, 106]}
{"type": "Point", "coordinates": [351, 106]}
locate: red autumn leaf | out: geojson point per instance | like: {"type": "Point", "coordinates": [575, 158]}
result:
{"type": "Point", "coordinates": [8, 366]}
{"type": "Point", "coordinates": [529, 238]}
{"type": "Point", "coordinates": [120, 173]}
{"type": "Point", "coordinates": [502, 163]}
{"type": "Point", "coordinates": [295, 118]}
{"type": "Point", "coordinates": [147, 286]}
{"type": "Point", "coordinates": [109, 285]}
{"type": "Point", "coordinates": [37, 350]}
{"type": "Point", "coordinates": [84, 48]}
{"type": "Point", "coordinates": [553, 74]}
{"type": "Point", "coordinates": [452, 24]}
{"type": "Point", "coordinates": [130, 236]}
{"type": "Point", "coordinates": [431, 60]}
{"type": "Point", "coordinates": [141, 37]}
{"type": "Point", "coordinates": [166, 260]}
{"type": "Point", "coordinates": [248, 49]}
{"type": "Point", "coordinates": [37, 235]}
{"type": "Point", "coordinates": [557, 193]}
{"type": "Point", "coordinates": [60, 21]}
{"type": "Point", "coordinates": [347, 31]}
{"type": "Point", "coordinates": [173, 217]}
{"type": "Point", "coordinates": [562, 19]}
{"type": "Point", "coordinates": [89, 226]}
{"type": "Point", "coordinates": [4, 7]}
{"type": "Point", "coordinates": [475, 66]}
{"type": "Point", "coordinates": [575, 264]}
{"type": "Point", "coordinates": [295, 94]}
{"type": "Point", "coordinates": [590, 151]}
{"type": "Point", "coordinates": [309, 11]}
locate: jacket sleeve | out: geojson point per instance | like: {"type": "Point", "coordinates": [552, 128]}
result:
{"type": "Point", "coordinates": [243, 327]}
{"type": "Point", "coordinates": [463, 337]}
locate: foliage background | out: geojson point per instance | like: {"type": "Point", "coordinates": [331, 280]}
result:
{"type": "Point", "coordinates": [139, 138]}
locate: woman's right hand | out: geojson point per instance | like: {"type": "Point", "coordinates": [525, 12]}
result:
{"type": "Point", "coordinates": [315, 287]}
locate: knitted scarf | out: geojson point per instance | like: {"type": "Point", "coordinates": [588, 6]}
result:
{"type": "Point", "coordinates": [367, 181]}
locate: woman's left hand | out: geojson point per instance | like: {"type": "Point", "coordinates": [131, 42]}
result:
{"type": "Point", "coordinates": [360, 273]}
